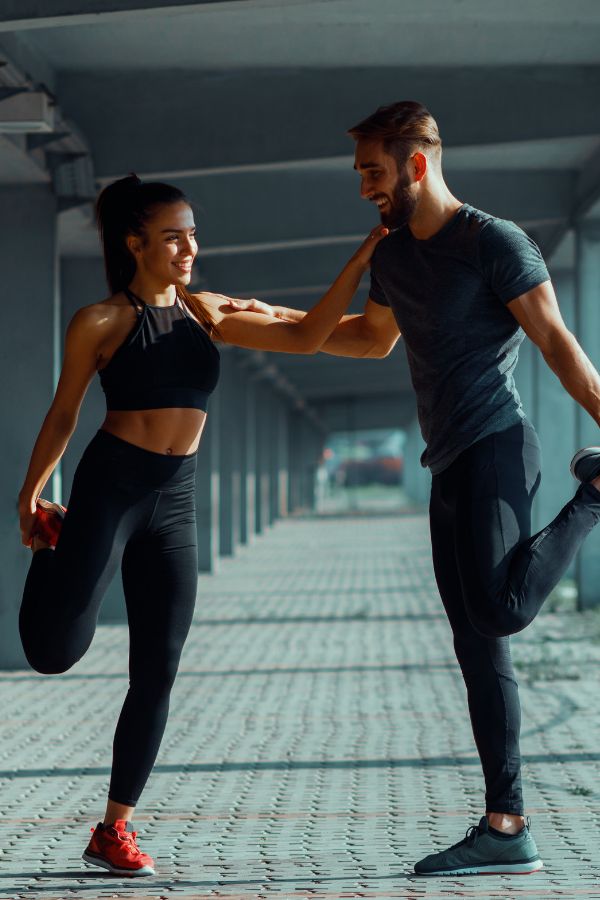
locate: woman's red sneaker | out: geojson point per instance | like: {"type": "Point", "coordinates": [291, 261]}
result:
{"type": "Point", "coordinates": [114, 848]}
{"type": "Point", "coordinates": [48, 521]}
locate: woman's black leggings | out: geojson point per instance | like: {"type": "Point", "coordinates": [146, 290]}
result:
{"type": "Point", "coordinates": [138, 507]}
{"type": "Point", "coordinates": [493, 577]}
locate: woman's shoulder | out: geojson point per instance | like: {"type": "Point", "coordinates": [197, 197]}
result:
{"type": "Point", "coordinates": [103, 312]}
{"type": "Point", "coordinates": [97, 320]}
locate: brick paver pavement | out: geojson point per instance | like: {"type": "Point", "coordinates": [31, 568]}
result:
{"type": "Point", "coordinates": [318, 741]}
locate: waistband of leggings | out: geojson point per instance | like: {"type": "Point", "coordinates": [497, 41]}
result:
{"type": "Point", "coordinates": [140, 464]}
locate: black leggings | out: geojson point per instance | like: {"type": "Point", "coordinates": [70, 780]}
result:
{"type": "Point", "coordinates": [493, 577]}
{"type": "Point", "coordinates": [138, 507]}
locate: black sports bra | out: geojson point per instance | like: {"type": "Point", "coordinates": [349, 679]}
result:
{"type": "Point", "coordinates": [168, 360]}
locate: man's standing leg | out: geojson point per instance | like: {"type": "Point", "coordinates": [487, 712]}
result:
{"type": "Point", "coordinates": [494, 708]}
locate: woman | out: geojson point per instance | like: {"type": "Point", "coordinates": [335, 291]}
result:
{"type": "Point", "coordinates": [133, 493]}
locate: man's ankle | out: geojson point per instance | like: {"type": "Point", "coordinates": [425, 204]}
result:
{"type": "Point", "coordinates": [507, 823]}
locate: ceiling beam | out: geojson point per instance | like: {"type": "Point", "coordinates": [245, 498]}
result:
{"type": "Point", "coordinates": [269, 246]}
{"type": "Point", "coordinates": [249, 117]}
{"type": "Point", "coordinates": [320, 164]}
{"type": "Point", "coordinates": [532, 155]}
{"type": "Point", "coordinates": [20, 15]}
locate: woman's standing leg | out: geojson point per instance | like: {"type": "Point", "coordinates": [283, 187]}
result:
{"type": "Point", "coordinates": [160, 578]}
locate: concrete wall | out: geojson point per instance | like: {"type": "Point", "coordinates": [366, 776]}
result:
{"type": "Point", "coordinates": [28, 262]}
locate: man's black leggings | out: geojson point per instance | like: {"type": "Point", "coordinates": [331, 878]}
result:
{"type": "Point", "coordinates": [493, 577]}
{"type": "Point", "coordinates": [138, 507]}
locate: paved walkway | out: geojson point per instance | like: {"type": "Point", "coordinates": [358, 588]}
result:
{"type": "Point", "coordinates": [318, 741]}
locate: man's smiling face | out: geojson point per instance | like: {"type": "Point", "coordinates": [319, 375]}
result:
{"type": "Point", "coordinates": [384, 183]}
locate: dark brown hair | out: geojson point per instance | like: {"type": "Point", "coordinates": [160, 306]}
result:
{"type": "Point", "coordinates": [125, 207]}
{"type": "Point", "coordinates": [402, 128]}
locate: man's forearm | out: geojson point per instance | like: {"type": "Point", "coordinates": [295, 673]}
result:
{"type": "Point", "coordinates": [576, 372]}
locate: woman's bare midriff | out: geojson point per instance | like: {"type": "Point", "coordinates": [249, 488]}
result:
{"type": "Point", "coordinates": [170, 431]}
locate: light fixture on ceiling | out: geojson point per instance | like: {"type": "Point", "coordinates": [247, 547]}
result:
{"type": "Point", "coordinates": [25, 112]}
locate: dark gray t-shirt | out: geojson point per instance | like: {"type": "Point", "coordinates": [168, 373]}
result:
{"type": "Point", "coordinates": [449, 295]}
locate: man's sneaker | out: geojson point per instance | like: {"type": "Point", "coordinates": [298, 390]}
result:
{"type": "Point", "coordinates": [114, 848]}
{"type": "Point", "coordinates": [585, 465]}
{"type": "Point", "coordinates": [483, 852]}
{"type": "Point", "coordinates": [48, 521]}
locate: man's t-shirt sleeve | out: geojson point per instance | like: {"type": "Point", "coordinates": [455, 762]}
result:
{"type": "Point", "coordinates": [376, 292]}
{"type": "Point", "coordinates": [511, 261]}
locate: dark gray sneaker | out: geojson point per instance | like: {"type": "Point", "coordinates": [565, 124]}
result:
{"type": "Point", "coordinates": [585, 465]}
{"type": "Point", "coordinates": [484, 853]}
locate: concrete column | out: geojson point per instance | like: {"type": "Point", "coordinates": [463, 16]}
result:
{"type": "Point", "coordinates": [554, 416]}
{"type": "Point", "coordinates": [279, 462]}
{"type": "Point", "coordinates": [311, 448]}
{"type": "Point", "coordinates": [207, 489]}
{"type": "Point", "coordinates": [588, 334]}
{"type": "Point", "coordinates": [274, 461]}
{"type": "Point", "coordinates": [247, 431]}
{"type": "Point", "coordinates": [263, 454]}
{"type": "Point", "coordinates": [29, 340]}
{"type": "Point", "coordinates": [417, 480]}
{"type": "Point", "coordinates": [283, 445]}
{"type": "Point", "coordinates": [294, 426]}
{"type": "Point", "coordinates": [229, 456]}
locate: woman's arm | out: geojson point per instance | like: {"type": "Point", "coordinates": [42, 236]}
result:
{"type": "Point", "coordinates": [307, 335]}
{"type": "Point", "coordinates": [79, 367]}
{"type": "Point", "coordinates": [372, 334]}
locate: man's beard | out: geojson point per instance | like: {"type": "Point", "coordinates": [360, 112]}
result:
{"type": "Point", "coordinates": [402, 206]}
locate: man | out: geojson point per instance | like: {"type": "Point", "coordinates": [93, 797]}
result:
{"type": "Point", "coordinates": [463, 288]}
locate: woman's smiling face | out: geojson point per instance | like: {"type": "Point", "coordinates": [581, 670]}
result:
{"type": "Point", "coordinates": [167, 249]}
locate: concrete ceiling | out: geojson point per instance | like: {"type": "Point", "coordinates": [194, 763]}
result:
{"type": "Point", "coordinates": [309, 33]}
{"type": "Point", "coordinates": [245, 105]}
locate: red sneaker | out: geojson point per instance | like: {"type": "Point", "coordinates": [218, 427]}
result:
{"type": "Point", "coordinates": [48, 521]}
{"type": "Point", "coordinates": [114, 848]}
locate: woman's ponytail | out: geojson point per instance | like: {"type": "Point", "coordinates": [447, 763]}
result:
{"type": "Point", "coordinates": [117, 215]}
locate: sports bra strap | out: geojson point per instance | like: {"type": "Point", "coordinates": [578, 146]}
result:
{"type": "Point", "coordinates": [137, 302]}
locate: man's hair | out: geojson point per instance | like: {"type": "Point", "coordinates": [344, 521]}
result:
{"type": "Point", "coordinates": [402, 128]}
